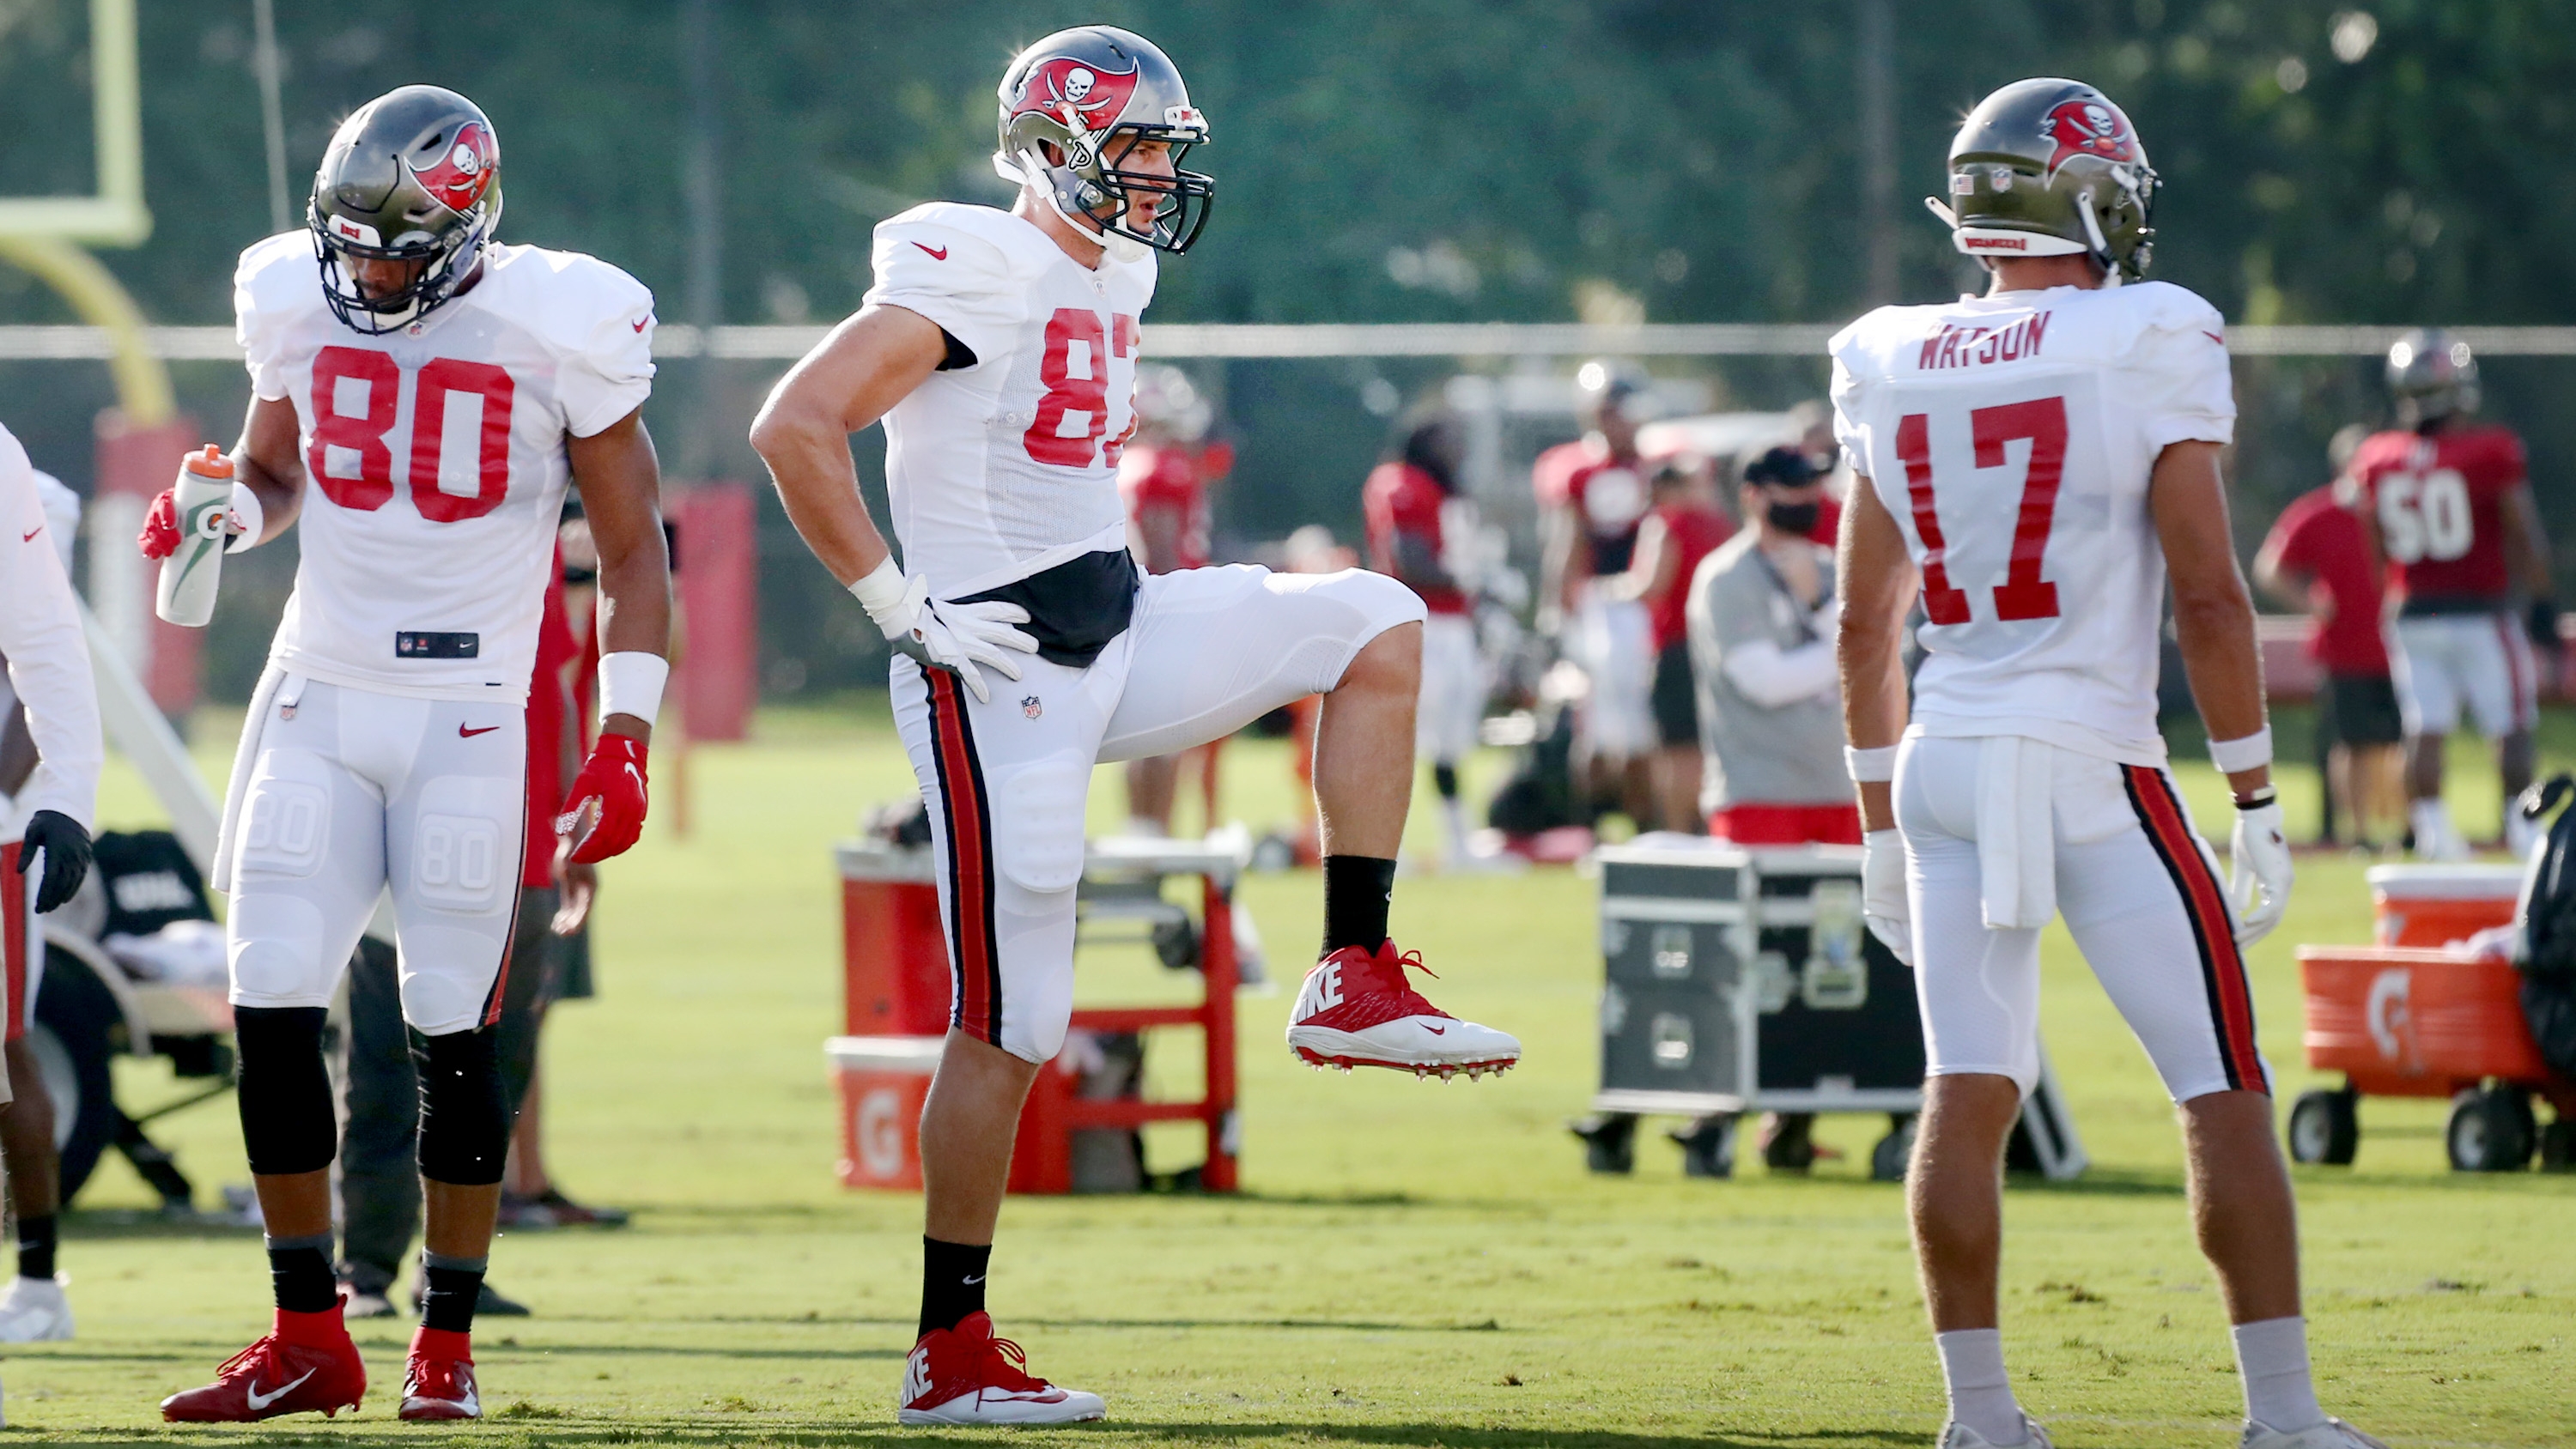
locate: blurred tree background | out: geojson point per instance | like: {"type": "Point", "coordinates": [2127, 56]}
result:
{"type": "Point", "coordinates": [1378, 160]}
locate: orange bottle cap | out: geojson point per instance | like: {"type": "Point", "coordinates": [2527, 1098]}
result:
{"type": "Point", "coordinates": [210, 463]}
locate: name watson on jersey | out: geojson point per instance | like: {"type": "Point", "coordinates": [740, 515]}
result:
{"type": "Point", "coordinates": [1955, 346]}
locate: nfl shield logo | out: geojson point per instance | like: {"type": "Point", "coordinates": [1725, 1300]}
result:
{"type": "Point", "coordinates": [1029, 706]}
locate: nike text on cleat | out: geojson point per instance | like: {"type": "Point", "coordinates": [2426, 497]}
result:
{"type": "Point", "coordinates": [305, 1364]}
{"type": "Point", "coordinates": [1955, 1435]}
{"type": "Point", "coordinates": [1357, 1009]}
{"type": "Point", "coordinates": [965, 1375]}
{"type": "Point", "coordinates": [438, 1379]}
{"type": "Point", "coordinates": [34, 1310]}
{"type": "Point", "coordinates": [2332, 1434]}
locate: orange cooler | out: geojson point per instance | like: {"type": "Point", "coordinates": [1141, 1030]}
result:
{"type": "Point", "coordinates": [2434, 905]}
{"type": "Point", "coordinates": [2405, 1022]}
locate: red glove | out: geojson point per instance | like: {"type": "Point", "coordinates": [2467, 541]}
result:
{"type": "Point", "coordinates": [605, 812]}
{"type": "Point", "coordinates": [160, 536]}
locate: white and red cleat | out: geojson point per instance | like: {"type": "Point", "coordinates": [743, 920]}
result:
{"type": "Point", "coordinates": [1359, 1010]}
{"type": "Point", "coordinates": [305, 1364]}
{"type": "Point", "coordinates": [964, 1375]}
{"type": "Point", "coordinates": [438, 1381]}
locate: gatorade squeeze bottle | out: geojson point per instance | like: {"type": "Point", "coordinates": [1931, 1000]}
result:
{"type": "Point", "coordinates": [204, 491]}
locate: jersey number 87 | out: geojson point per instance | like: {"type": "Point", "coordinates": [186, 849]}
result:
{"type": "Point", "coordinates": [2425, 516]}
{"type": "Point", "coordinates": [350, 373]}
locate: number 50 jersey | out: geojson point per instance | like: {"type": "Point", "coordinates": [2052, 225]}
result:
{"type": "Point", "coordinates": [434, 459]}
{"type": "Point", "coordinates": [2012, 439]}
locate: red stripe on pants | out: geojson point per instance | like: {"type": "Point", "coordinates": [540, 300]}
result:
{"type": "Point", "coordinates": [2204, 902]}
{"type": "Point", "coordinates": [972, 949]}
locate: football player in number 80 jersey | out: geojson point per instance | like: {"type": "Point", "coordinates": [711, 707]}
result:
{"type": "Point", "coordinates": [999, 349]}
{"type": "Point", "coordinates": [422, 395]}
{"type": "Point", "coordinates": [2033, 465]}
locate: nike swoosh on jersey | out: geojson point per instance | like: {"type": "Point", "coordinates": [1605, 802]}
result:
{"type": "Point", "coordinates": [937, 254]}
{"type": "Point", "coordinates": [463, 733]}
{"type": "Point", "coordinates": [639, 322]}
{"type": "Point", "coordinates": [30, 535]}
{"type": "Point", "coordinates": [2214, 337]}
{"type": "Point", "coordinates": [259, 1401]}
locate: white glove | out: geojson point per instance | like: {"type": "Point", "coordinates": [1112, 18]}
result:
{"type": "Point", "coordinates": [954, 637]}
{"type": "Point", "coordinates": [1882, 892]}
{"type": "Point", "coordinates": [2258, 871]}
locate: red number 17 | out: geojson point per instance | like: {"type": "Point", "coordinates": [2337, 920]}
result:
{"type": "Point", "coordinates": [2023, 594]}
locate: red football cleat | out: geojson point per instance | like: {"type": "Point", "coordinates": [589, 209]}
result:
{"type": "Point", "coordinates": [964, 1375]}
{"type": "Point", "coordinates": [438, 1381]}
{"type": "Point", "coordinates": [1357, 1009]}
{"type": "Point", "coordinates": [305, 1364]}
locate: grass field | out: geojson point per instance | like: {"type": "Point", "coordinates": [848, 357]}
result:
{"type": "Point", "coordinates": [1410, 1263]}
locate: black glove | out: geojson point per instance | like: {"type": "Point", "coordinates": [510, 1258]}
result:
{"type": "Point", "coordinates": [66, 848]}
{"type": "Point", "coordinates": [2542, 625]}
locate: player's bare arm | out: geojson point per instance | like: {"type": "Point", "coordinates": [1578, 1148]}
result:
{"type": "Point", "coordinates": [269, 460]}
{"type": "Point", "coordinates": [1655, 567]}
{"type": "Point", "coordinates": [621, 489]}
{"type": "Point", "coordinates": [2285, 585]}
{"type": "Point", "coordinates": [1876, 581]}
{"type": "Point", "coordinates": [2526, 541]}
{"type": "Point", "coordinates": [2213, 612]}
{"type": "Point", "coordinates": [871, 361]}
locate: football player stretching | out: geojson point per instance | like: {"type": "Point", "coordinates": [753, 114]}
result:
{"type": "Point", "coordinates": [2033, 464]}
{"type": "Point", "coordinates": [999, 348]}
{"type": "Point", "coordinates": [421, 394]}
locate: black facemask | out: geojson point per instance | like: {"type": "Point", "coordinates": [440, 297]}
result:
{"type": "Point", "coordinates": [1793, 517]}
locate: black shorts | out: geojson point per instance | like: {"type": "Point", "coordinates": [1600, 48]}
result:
{"type": "Point", "coordinates": [2360, 709]}
{"type": "Point", "coordinates": [1676, 696]}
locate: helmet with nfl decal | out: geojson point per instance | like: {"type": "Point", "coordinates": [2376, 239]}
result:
{"type": "Point", "coordinates": [1075, 106]}
{"type": "Point", "coordinates": [412, 176]}
{"type": "Point", "coordinates": [2046, 168]}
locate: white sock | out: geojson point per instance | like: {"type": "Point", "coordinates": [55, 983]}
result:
{"type": "Point", "coordinates": [2432, 822]}
{"type": "Point", "coordinates": [2273, 1358]}
{"type": "Point", "coordinates": [1144, 827]}
{"type": "Point", "coordinates": [1981, 1396]}
{"type": "Point", "coordinates": [1453, 812]}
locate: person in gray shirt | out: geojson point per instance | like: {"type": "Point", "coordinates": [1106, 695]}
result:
{"type": "Point", "coordinates": [1761, 620]}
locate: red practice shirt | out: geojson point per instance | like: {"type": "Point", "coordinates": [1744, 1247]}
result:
{"type": "Point", "coordinates": [1175, 476]}
{"type": "Point", "coordinates": [1402, 499]}
{"type": "Point", "coordinates": [2439, 500]}
{"type": "Point", "coordinates": [546, 707]}
{"type": "Point", "coordinates": [1696, 532]}
{"type": "Point", "coordinates": [1609, 496]}
{"type": "Point", "coordinates": [2320, 537]}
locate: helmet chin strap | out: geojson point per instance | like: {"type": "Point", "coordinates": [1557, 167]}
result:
{"type": "Point", "coordinates": [2093, 234]}
{"type": "Point", "coordinates": [1031, 170]}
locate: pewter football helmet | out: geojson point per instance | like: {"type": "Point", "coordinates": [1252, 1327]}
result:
{"type": "Point", "coordinates": [1095, 93]}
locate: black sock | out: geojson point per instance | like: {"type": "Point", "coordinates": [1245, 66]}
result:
{"type": "Point", "coordinates": [1444, 778]}
{"type": "Point", "coordinates": [1356, 891]}
{"type": "Point", "coordinates": [299, 1272]}
{"type": "Point", "coordinates": [36, 1247]}
{"type": "Point", "coordinates": [952, 1282]}
{"type": "Point", "coordinates": [448, 1290]}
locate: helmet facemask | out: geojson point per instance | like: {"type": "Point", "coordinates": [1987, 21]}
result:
{"type": "Point", "coordinates": [449, 260]}
{"type": "Point", "coordinates": [1086, 181]}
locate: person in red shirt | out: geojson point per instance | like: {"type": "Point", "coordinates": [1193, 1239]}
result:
{"type": "Point", "coordinates": [1415, 521]}
{"type": "Point", "coordinates": [2318, 557]}
{"type": "Point", "coordinates": [2447, 503]}
{"type": "Point", "coordinates": [1682, 526]}
{"type": "Point", "coordinates": [1592, 501]}
{"type": "Point", "coordinates": [1165, 476]}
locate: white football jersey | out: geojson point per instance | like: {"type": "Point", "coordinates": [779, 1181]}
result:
{"type": "Point", "coordinates": [2012, 437]}
{"type": "Point", "coordinates": [434, 459]}
{"type": "Point", "coordinates": [1009, 467]}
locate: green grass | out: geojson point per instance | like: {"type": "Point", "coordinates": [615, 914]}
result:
{"type": "Point", "coordinates": [1410, 1264]}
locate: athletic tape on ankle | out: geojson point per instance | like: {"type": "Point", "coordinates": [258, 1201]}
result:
{"type": "Point", "coordinates": [1870, 767]}
{"type": "Point", "coordinates": [630, 682]}
{"type": "Point", "coordinates": [2249, 753]}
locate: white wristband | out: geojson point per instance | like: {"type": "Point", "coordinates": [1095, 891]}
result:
{"type": "Point", "coordinates": [1870, 767]}
{"type": "Point", "coordinates": [881, 591]}
{"type": "Point", "coordinates": [630, 682]}
{"type": "Point", "coordinates": [2251, 752]}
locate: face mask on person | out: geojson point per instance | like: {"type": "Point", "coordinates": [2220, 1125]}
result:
{"type": "Point", "coordinates": [1793, 517]}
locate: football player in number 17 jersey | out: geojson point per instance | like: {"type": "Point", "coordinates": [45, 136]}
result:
{"type": "Point", "coordinates": [421, 397]}
{"type": "Point", "coordinates": [2036, 465]}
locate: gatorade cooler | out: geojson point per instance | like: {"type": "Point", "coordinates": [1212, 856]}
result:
{"type": "Point", "coordinates": [2434, 905]}
{"type": "Point", "coordinates": [883, 1080]}
{"type": "Point", "coordinates": [894, 956]}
